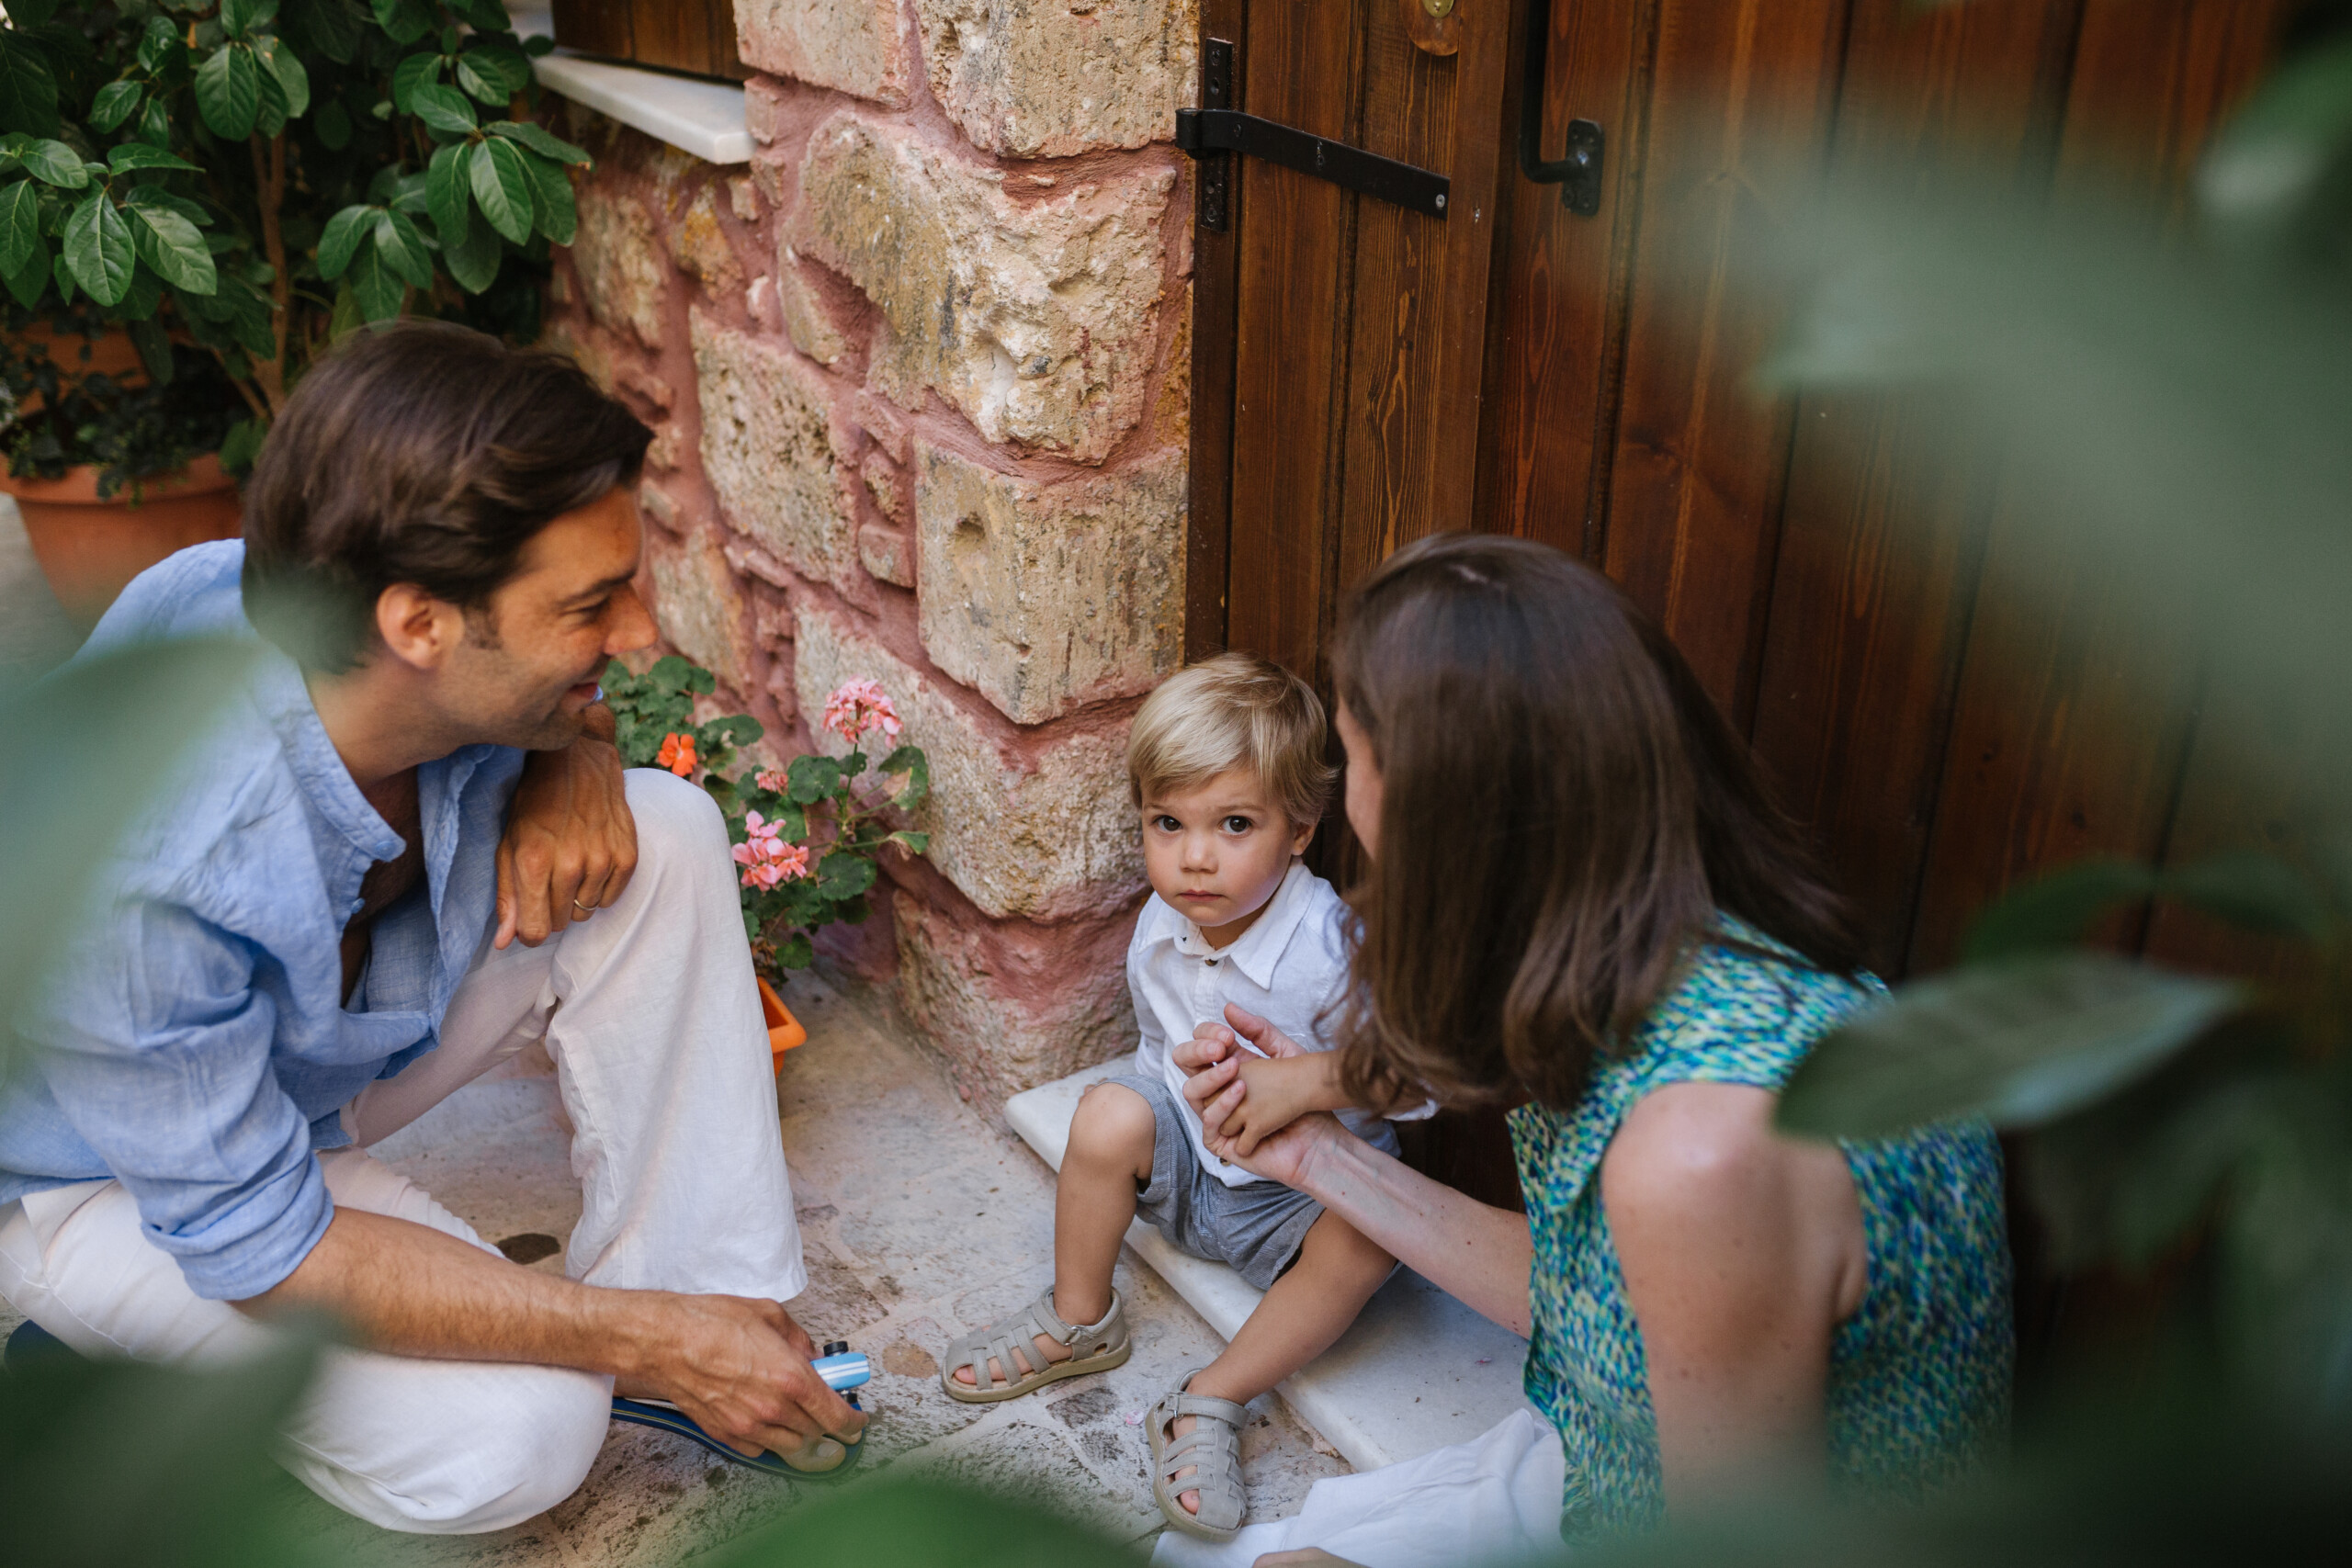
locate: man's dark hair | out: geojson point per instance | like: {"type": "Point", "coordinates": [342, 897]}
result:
{"type": "Point", "coordinates": [425, 453]}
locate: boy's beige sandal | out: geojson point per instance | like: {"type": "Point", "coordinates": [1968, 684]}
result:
{"type": "Point", "coordinates": [1096, 1348]}
{"type": "Point", "coordinates": [1211, 1451]}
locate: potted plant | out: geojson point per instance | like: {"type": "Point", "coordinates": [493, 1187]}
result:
{"type": "Point", "coordinates": [808, 837]}
{"type": "Point", "coordinates": [207, 193]}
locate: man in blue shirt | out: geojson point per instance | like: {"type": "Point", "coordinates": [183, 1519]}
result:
{"type": "Point", "coordinates": [307, 945]}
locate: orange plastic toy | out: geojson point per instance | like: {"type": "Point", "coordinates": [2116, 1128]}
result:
{"type": "Point", "coordinates": [784, 1031]}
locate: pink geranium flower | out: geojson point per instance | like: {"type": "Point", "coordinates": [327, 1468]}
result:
{"type": "Point", "coordinates": [770, 778]}
{"type": "Point", "coordinates": [860, 707]}
{"type": "Point", "coordinates": [765, 858]}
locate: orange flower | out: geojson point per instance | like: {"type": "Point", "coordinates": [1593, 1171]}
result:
{"type": "Point", "coordinates": [677, 754]}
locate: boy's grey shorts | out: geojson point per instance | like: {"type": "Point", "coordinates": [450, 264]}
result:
{"type": "Point", "coordinates": [1256, 1229]}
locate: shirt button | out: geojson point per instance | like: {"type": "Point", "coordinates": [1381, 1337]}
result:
{"type": "Point", "coordinates": [1212, 963]}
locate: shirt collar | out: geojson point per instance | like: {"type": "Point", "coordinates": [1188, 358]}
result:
{"type": "Point", "coordinates": [1260, 948]}
{"type": "Point", "coordinates": [285, 701]}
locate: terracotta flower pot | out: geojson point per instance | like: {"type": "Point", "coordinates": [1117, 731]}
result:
{"type": "Point", "coordinates": [784, 1031]}
{"type": "Point", "coordinates": [90, 548]}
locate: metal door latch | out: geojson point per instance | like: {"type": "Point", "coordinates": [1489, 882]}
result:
{"type": "Point", "coordinates": [1216, 130]}
{"type": "Point", "coordinates": [1578, 174]}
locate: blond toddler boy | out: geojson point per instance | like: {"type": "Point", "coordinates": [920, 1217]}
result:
{"type": "Point", "coordinates": [1226, 765]}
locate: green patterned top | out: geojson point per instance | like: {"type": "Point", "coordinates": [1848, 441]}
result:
{"type": "Point", "coordinates": [1918, 1377]}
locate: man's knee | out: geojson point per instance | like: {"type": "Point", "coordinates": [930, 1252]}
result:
{"type": "Point", "coordinates": [1112, 1121]}
{"type": "Point", "coordinates": [675, 821]}
{"type": "Point", "coordinates": [502, 1446]}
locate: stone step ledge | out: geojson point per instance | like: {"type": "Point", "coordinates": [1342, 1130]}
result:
{"type": "Point", "coordinates": [1418, 1370]}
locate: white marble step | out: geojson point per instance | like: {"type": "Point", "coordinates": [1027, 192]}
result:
{"type": "Point", "coordinates": [1418, 1371]}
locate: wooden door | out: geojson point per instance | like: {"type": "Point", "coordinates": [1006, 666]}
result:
{"type": "Point", "coordinates": [1842, 583]}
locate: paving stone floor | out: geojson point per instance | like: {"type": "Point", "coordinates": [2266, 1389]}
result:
{"type": "Point", "coordinates": [922, 1219]}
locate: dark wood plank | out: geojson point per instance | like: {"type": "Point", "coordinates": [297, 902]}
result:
{"type": "Point", "coordinates": [2072, 725]}
{"type": "Point", "coordinates": [1215, 286]}
{"type": "Point", "coordinates": [1415, 365]}
{"type": "Point", "coordinates": [1881, 531]}
{"type": "Point", "coordinates": [1741, 100]}
{"type": "Point", "coordinates": [594, 27]}
{"type": "Point", "coordinates": [1295, 239]}
{"type": "Point", "coordinates": [2069, 732]}
{"type": "Point", "coordinates": [676, 35]}
{"type": "Point", "coordinates": [1556, 317]}
{"type": "Point", "coordinates": [2151, 80]}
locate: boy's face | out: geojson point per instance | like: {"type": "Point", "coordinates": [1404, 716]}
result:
{"type": "Point", "coordinates": [1217, 850]}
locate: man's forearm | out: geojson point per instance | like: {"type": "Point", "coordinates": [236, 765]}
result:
{"type": "Point", "coordinates": [1479, 1254]}
{"type": "Point", "coordinates": [413, 1291]}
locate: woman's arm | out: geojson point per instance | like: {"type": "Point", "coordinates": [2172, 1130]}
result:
{"type": "Point", "coordinates": [1742, 1251]}
{"type": "Point", "coordinates": [1477, 1254]}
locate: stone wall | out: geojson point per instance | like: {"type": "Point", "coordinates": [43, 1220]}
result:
{"type": "Point", "coordinates": [918, 376]}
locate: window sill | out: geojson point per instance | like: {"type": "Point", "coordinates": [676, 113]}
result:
{"type": "Point", "coordinates": [705, 119]}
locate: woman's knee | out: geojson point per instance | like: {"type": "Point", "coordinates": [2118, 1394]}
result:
{"type": "Point", "coordinates": [1112, 1121]}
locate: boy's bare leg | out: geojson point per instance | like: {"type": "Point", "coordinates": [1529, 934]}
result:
{"type": "Point", "coordinates": [1109, 1156]}
{"type": "Point", "coordinates": [1310, 1306]}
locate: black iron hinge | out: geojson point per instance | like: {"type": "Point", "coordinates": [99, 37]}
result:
{"type": "Point", "coordinates": [1216, 130]}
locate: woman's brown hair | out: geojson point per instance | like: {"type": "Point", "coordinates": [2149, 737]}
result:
{"type": "Point", "coordinates": [1563, 813]}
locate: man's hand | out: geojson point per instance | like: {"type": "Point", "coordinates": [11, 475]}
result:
{"type": "Point", "coordinates": [740, 1367]}
{"type": "Point", "coordinates": [571, 843]}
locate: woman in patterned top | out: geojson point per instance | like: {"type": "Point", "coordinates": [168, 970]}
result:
{"type": "Point", "coordinates": [1581, 899]}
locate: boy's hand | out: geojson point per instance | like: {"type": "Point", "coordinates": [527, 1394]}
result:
{"type": "Point", "coordinates": [1276, 1093]}
{"type": "Point", "coordinates": [1214, 1042]}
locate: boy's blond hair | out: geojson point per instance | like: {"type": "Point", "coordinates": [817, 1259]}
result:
{"type": "Point", "coordinates": [1234, 711]}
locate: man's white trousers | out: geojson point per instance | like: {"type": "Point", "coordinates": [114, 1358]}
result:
{"type": "Point", "coordinates": [652, 1018]}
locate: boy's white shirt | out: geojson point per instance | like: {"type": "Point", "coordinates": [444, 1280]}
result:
{"type": "Point", "coordinates": [1288, 968]}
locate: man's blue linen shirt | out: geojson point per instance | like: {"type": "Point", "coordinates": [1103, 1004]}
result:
{"type": "Point", "coordinates": [195, 1045]}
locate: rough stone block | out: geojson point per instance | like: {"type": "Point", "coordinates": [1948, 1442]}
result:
{"type": "Point", "coordinates": [698, 245]}
{"type": "Point", "coordinates": [1010, 1009]}
{"type": "Point", "coordinates": [1035, 316]}
{"type": "Point", "coordinates": [769, 448]}
{"type": "Point", "coordinates": [806, 319]}
{"type": "Point", "coordinates": [1048, 78]}
{"type": "Point", "coordinates": [700, 609]}
{"type": "Point", "coordinates": [1044, 596]}
{"type": "Point", "coordinates": [856, 46]}
{"type": "Point", "coordinates": [887, 554]}
{"type": "Point", "coordinates": [618, 258]}
{"type": "Point", "coordinates": [1047, 837]}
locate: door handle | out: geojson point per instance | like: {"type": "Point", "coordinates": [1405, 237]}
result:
{"type": "Point", "coordinates": [1578, 174]}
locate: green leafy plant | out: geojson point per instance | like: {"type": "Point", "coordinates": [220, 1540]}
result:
{"type": "Point", "coordinates": [257, 180]}
{"type": "Point", "coordinates": [127, 429]}
{"type": "Point", "coordinates": [808, 837]}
